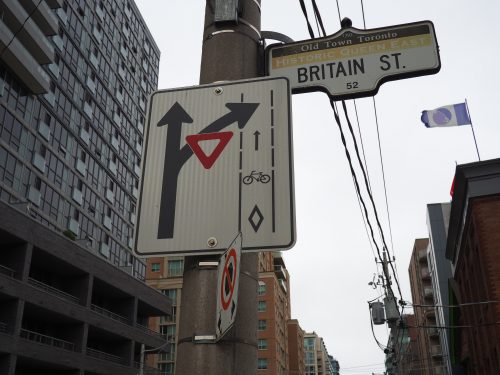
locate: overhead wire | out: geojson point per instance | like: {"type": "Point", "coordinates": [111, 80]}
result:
{"type": "Point", "coordinates": [394, 271]}
{"type": "Point", "coordinates": [374, 207]}
{"type": "Point", "coordinates": [304, 11]}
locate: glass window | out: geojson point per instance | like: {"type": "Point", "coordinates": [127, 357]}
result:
{"type": "Point", "coordinates": [155, 267]}
{"type": "Point", "coordinates": [262, 363]}
{"type": "Point", "coordinates": [262, 324]}
{"type": "Point", "coordinates": [262, 344]}
{"type": "Point", "coordinates": [262, 288]}
{"type": "Point", "coordinates": [172, 294]}
{"type": "Point", "coordinates": [175, 267]}
{"type": "Point", "coordinates": [262, 306]}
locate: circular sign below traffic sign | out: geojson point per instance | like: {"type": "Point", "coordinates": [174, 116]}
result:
{"type": "Point", "coordinates": [228, 280]}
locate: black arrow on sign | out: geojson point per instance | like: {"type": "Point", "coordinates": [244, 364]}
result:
{"type": "Point", "coordinates": [256, 134]}
{"type": "Point", "coordinates": [176, 157]}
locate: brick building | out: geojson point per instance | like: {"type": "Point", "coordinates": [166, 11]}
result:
{"type": "Point", "coordinates": [295, 348]}
{"type": "Point", "coordinates": [429, 346]}
{"type": "Point", "coordinates": [474, 250]}
{"type": "Point", "coordinates": [273, 308]}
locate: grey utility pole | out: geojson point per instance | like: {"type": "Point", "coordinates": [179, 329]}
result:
{"type": "Point", "coordinates": [230, 52]}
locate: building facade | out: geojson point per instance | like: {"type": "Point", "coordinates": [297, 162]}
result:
{"type": "Point", "coordinates": [74, 78]}
{"type": "Point", "coordinates": [438, 217]}
{"type": "Point", "coordinates": [317, 360]}
{"type": "Point", "coordinates": [273, 306]}
{"type": "Point", "coordinates": [165, 275]}
{"type": "Point", "coordinates": [295, 348]}
{"type": "Point", "coordinates": [473, 248]}
{"type": "Point", "coordinates": [65, 310]}
{"type": "Point", "coordinates": [422, 290]}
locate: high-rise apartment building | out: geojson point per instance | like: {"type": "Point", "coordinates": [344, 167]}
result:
{"type": "Point", "coordinates": [296, 362]}
{"type": "Point", "coordinates": [273, 306]}
{"type": "Point", "coordinates": [317, 360]}
{"type": "Point", "coordinates": [280, 339]}
{"type": "Point", "coordinates": [438, 216]}
{"type": "Point", "coordinates": [74, 78]}
{"type": "Point", "coordinates": [473, 248]}
{"type": "Point", "coordinates": [423, 297]}
{"type": "Point", "coordinates": [165, 275]}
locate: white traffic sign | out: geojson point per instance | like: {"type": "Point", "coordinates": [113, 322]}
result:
{"type": "Point", "coordinates": [354, 63]}
{"type": "Point", "coordinates": [228, 280]}
{"type": "Point", "coordinates": [218, 161]}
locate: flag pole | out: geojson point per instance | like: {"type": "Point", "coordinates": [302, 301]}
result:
{"type": "Point", "coordinates": [472, 128]}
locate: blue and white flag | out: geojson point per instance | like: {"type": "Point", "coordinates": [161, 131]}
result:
{"type": "Point", "coordinates": [450, 115]}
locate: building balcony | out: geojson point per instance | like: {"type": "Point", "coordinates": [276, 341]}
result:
{"type": "Point", "coordinates": [422, 255]}
{"type": "Point", "coordinates": [43, 16]}
{"type": "Point", "coordinates": [16, 18]}
{"type": "Point", "coordinates": [109, 314]}
{"type": "Point", "coordinates": [433, 333]}
{"type": "Point", "coordinates": [280, 272]}
{"type": "Point", "coordinates": [54, 291]}
{"type": "Point", "coordinates": [8, 272]}
{"type": "Point", "coordinates": [436, 351]}
{"type": "Point", "coordinates": [23, 64]}
{"type": "Point", "coordinates": [425, 274]}
{"type": "Point", "coordinates": [106, 356]}
{"type": "Point", "coordinates": [430, 315]}
{"type": "Point", "coordinates": [47, 340]}
{"type": "Point", "coordinates": [283, 285]}
{"type": "Point", "coordinates": [428, 292]}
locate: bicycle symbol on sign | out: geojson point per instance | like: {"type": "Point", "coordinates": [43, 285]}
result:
{"type": "Point", "coordinates": [256, 176]}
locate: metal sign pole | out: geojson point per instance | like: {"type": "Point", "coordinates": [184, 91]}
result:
{"type": "Point", "coordinates": [230, 51]}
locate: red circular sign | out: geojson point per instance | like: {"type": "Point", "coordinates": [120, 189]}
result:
{"type": "Point", "coordinates": [228, 280]}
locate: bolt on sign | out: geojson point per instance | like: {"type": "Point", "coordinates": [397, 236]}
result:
{"type": "Point", "coordinates": [218, 161]}
{"type": "Point", "coordinates": [354, 63]}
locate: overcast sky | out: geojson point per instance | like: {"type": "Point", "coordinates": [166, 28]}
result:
{"type": "Point", "coordinates": [332, 262]}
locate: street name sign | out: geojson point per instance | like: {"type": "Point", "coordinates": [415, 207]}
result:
{"type": "Point", "coordinates": [228, 280]}
{"type": "Point", "coordinates": [218, 161]}
{"type": "Point", "coordinates": [354, 63]}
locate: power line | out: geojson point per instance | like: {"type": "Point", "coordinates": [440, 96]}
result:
{"type": "Point", "coordinates": [370, 196]}
{"type": "Point", "coordinates": [457, 305]}
{"type": "Point", "coordinates": [318, 16]}
{"type": "Point", "coordinates": [304, 10]}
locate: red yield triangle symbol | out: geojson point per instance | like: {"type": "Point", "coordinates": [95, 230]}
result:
{"type": "Point", "coordinates": [208, 160]}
